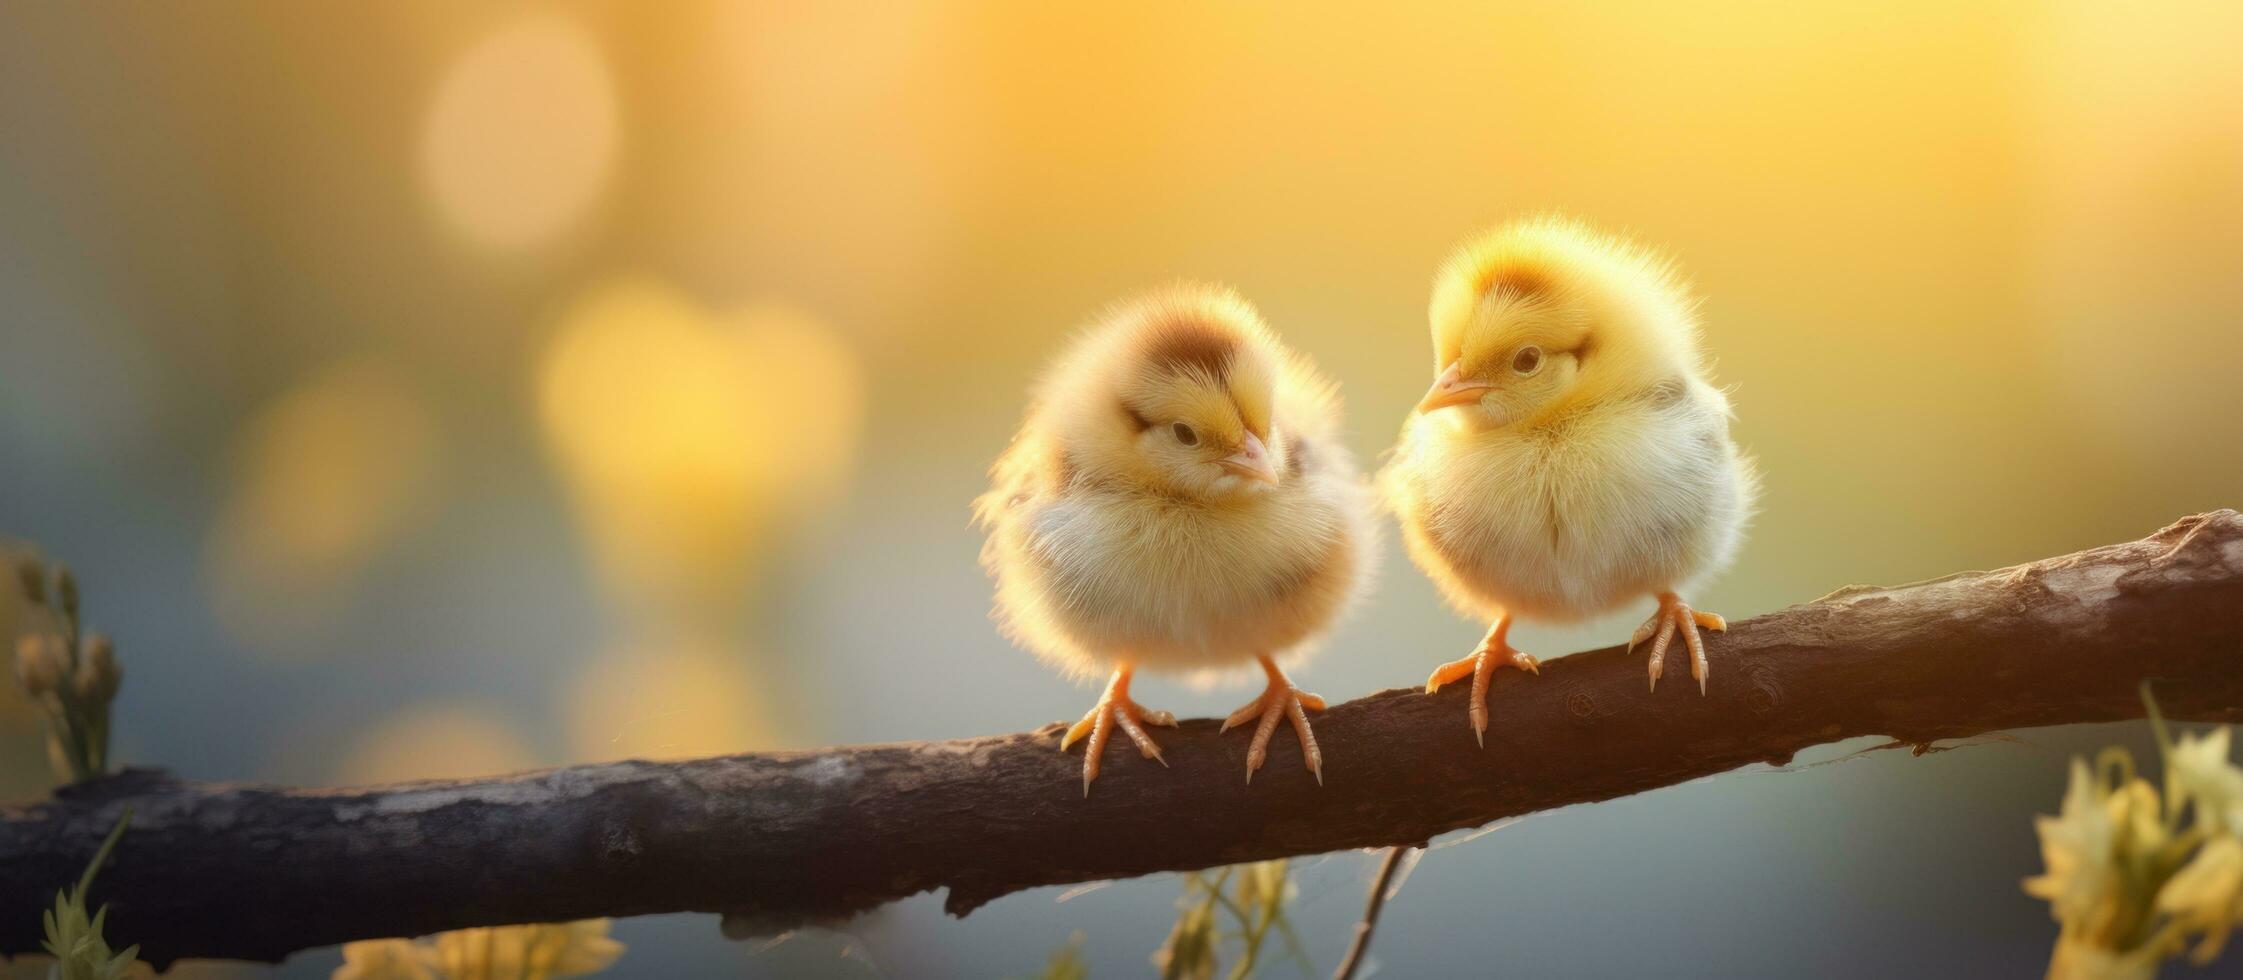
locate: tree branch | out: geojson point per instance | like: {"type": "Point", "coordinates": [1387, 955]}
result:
{"type": "Point", "coordinates": [774, 839]}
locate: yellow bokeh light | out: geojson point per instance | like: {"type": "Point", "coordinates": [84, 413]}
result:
{"type": "Point", "coordinates": [685, 434]}
{"type": "Point", "coordinates": [676, 701]}
{"type": "Point", "coordinates": [2138, 208]}
{"type": "Point", "coordinates": [435, 741]}
{"type": "Point", "coordinates": [323, 478]}
{"type": "Point", "coordinates": [848, 173]}
{"type": "Point", "coordinates": [522, 133]}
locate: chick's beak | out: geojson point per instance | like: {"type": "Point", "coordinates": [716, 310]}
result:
{"type": "Point", "coordinates": [1452, 388]}
{"type": "Point", "coordinates": [1251, 462]}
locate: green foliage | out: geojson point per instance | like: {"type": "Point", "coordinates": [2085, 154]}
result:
{"type": "Point", "coordinates": [70, 674]}
{"type": "Point", "coordinates": [1255, 906]}
{"type": "Point", "coordinates": [74, 938]}
{"type": "Point", "coordinates": [1067, 961]}
{"type": "Point", "coordinates": [1190, 951]}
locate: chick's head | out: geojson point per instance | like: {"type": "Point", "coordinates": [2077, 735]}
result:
{"type": "Point", "coordinates": [1185, 407]}
{"type": "Point", "coordinates": [1543, 314]}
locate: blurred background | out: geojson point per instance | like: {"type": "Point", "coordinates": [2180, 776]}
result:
{"type": "Point", "coordinates": [431, 389]}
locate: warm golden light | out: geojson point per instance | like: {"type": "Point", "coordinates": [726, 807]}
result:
{"type": "Point", "coordinates": [860, 165]}
{"type": "Point", "coordinates": [522, 133]}
{"type": "Point", "coordinates": [684, 434]}
{"type": "Point", "coordinates": [423, 336]}
{"type": "Point", "coordinates": [684, 699]}
{"type": "Point", "coordinates": [2140, 211]}
{"type": "Point", "coordinates": [435, 740]}
{"type": "Point", "coordinates": [324, 477]}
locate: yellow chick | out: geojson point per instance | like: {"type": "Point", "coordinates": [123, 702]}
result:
{"type": "Point", "coordinates": [1571, 455]}
{"type": "Point", "coordinates": [1177, 499]}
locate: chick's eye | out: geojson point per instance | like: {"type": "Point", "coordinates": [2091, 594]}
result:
{"type": "Point", "coordinates": [1184, 434]}
{"type": "Point", "coordinates": [1527, 361]}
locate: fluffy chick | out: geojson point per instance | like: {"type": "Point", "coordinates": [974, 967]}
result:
{"type": "Point", "coordinates": [1177, 499]}
{"type": "Point", "coordinates": [1571, 455]}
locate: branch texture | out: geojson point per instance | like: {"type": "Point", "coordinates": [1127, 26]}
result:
{"type": "Point", "coordinates": [775, 839]}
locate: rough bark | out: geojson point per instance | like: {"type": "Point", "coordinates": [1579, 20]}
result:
{"type": "Point", "coordinates": [772, 839]}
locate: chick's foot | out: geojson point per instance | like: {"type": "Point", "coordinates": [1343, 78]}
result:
{"type": "Point", "coordinates": [1495, 652]}
{"type": "Point", "coordinates": [1115, 710]}
{"type": "Point", "coordinates": [1279, 700]}
{"type": "Point", "coordinates": [1675, 616]}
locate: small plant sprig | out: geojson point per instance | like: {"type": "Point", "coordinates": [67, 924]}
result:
{"type": "Point", "coordinates": [1067, 961]}
{"type": "Point", "coordinates": [2134, 877]}
{"type": "Point", "coordinates": [1256, 904]}
{"type": "Point", "coordinates": [74, 938]}
{"type": "Point", "coordinates": [71, 674]}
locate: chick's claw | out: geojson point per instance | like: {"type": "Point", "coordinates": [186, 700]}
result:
{"type": "Point", "coordinates": [1675, 616]}
{"type": "Point", "coordinates": [1279, 700]}
{"type": "Point", "coordinates": [1115, 710]}
{"type": "Point", "coordinates": [1481, 666]}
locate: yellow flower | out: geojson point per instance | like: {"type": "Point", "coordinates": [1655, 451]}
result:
{"type": "Point", "coordinates": [383, 959]}
{"type": "Point", "coordinates": [2076, 847]}
{"type": "Point", "coordinates": [2207, 895]}
{"type": "Point", "coordinates": [581, 947]}
{"type": "Point", "coordinates": [532, 952]}
{"type": "Point", "coordinates": [2137, 812]}
{"type": "Point", "coordinates": [2095, 849]}
{"type": "Point", "coordinates": [536, 951]}
{"type": "Point", "coordinates": [2200, 769]}
{"type": "Point", "coordinates": [2075, 959]}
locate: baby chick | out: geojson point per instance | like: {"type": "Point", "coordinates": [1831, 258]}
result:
{"type": "Point", "coordinates": [1571, 455]}
{"type": "Point", "coordinates": [1178, 499]}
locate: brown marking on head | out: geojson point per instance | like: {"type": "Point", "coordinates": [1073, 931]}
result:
{"type": "Point", "coordinates": [1296, 455]}
{"type": "Point", "coordinates": [1516, 280]}
{"type": "Point", "coordinates": [1183, 341]}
